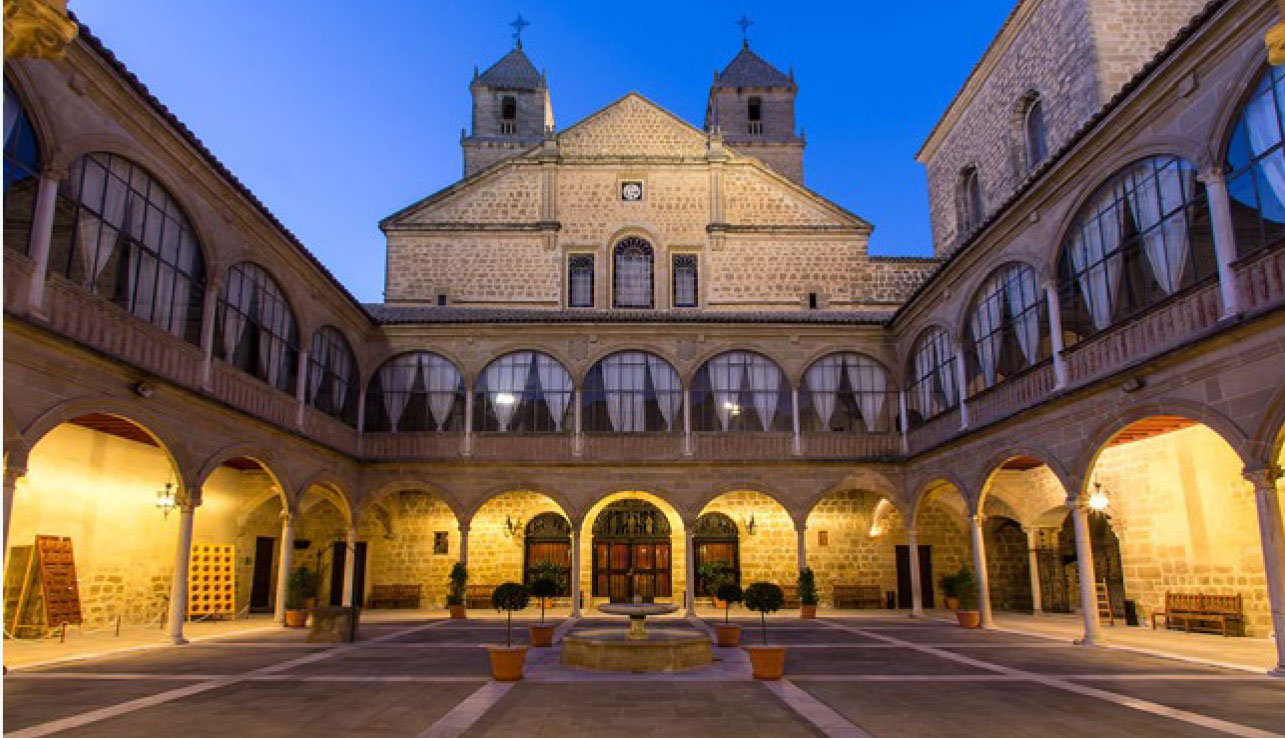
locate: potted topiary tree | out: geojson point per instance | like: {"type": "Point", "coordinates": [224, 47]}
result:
{"type": "Point", "coordinates": [507, 660]}
{"type": "Point", "coordinates": [966, 591]}
{"type": "Point", "coordinates": [301, 586]}
{"type": "Point", "coordinates": [714, 574]}
{"type": "Point", "coordinates": [807, 593]}
{"type": "Point", "coordinates": [950, 589]}
{"type": "Point", "coordinates": [768, 661]}
{"type": "Point", "coordinates": [726, 633]}
{"type": "Point", "coordinates": [543, 587]}
{"type": "Point", "coordinates": [458, 588]}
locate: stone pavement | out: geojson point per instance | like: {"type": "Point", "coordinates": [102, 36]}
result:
{"type": "Point", "coordinates": [851, 677]}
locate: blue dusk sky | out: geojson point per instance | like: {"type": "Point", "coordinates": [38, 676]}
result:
{"type": "Point", "coordinates": [338, 114]}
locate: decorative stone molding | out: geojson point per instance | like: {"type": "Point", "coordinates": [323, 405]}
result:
{"type": "Point", "coordinates": [37, 29]}
{"type": "Point", "coordinates": [1275, 39]}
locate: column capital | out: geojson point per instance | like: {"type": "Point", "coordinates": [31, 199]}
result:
{"type": "Point", "coordinates": [463, 528]}
{"type": "Point", "coordinates": [1213, 174]}
{"type": "Point", "coordinates": [1263, 478]}
{"type": "Point", "coordinates": [188, 504]}
{"type": "Point", "coordinates": [1077, 504]}
{"type": "Point", "coordinates": [55, 172]}
{"type": "Point", "coordinates": [977, 518]}
{"type": "Point", "coordinates": [287, 517]}
{"type": "Point", "coordinates": [13, 473]}
{"type": "Point", "coordinates": [37, 29]}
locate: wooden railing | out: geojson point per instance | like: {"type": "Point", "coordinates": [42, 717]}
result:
{"type": "Point", "coordinates": [742, 446]}
{"type": "Point", "coordinates": [836, 445]}
{"type": "Point", "coordinates": [1148, 334]}
{"type": "Point", "coordinates": [1012, 395]}
{"type": "Point", "coordinates": [252, 395]}
{"type": "Point", "coordinates": [97, 323]}
{"type": "Point", "coordinates": [447, 445]}
{"type": "Point", "coordinates": [1261, 279]}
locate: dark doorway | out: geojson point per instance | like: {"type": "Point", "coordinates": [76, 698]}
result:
{"type": "Point", "coordinates": [631, 552]}
{"type": "Point", "coordinates": [905, 598]}
{"type": "Point", "coordinates": [338, 559]}
{"type": "Point", "coordinates": [548, 540]}
{"type": "Point", "coordinates": [1107, 563]}
{"type": "Point", "coordinates": [716, 538]}
{"type": "Point", "coordinates": [261, 589]}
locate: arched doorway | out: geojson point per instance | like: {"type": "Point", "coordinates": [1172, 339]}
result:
{"type": "Point", "coordinates": [1108, 565]}
{"type": "Point", "coordinates": [548, 540]}
{"type": "Point", "coordinates": [716, 539]}
{"type": "Point", "coordinates": [631, 552]}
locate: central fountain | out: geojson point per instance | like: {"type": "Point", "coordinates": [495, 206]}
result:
{"type": "Point", "coordinates": [636, 649]}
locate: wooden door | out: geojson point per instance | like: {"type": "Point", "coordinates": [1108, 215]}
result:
{"type": "Point", "coordinates": [707, 552]}
{"type": "Point", "coordinates": [261, 589]}
{"type": "Point", "coordinates": [625, 568]}
{"type": "Point", "coordinates": [338, 560]}
{"type": "Point", "coordinates": [555, 552]}
{"type": "Point", "coordinates": [904, 597]}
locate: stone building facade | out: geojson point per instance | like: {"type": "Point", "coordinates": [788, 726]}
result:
{"type": "Point", "coordinates": [809, 386]}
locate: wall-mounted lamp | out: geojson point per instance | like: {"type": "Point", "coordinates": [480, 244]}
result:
{"type": "Point", "coordinates": [165, 500]}
{"type": "Point", "coordinates": [505, 398]}
{"type": "Point", "coordinates": [512, 526]}
{"type": "Point", "coordinates": [732, 408]}
{"type": "Point", "coordinates": [1098, 500]}
{"type": "Point", "coordinates": [751, 527]}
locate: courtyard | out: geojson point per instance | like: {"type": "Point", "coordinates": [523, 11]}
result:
{"type": "Point", "coordinates": [852, 676]}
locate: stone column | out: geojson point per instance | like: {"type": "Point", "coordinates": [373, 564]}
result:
{"type": "Point", "coordinates": [916, 577]}
{"type": "Point", "coordinates": [301, 388]}
{"type": "Point", "coordinates": [979, 565]}
{"type": "Point", "coordinates": [577, 438]}
{"type": "Point", "coordinates": [284, 561]}
{"type": "Point", "coordinates": [1033, 552]}
{"type": "Point", "coordinates": [209, 309]}
{"type": "Point", "coordinates": [11, 476]}
{"type": "Point", "coordinates": [1215, 180]}
{"type": "Point", "coordinates": [1268, 500]}
{"type": "Point", "coordinates": [798, 436]}
{"type": "Point", "coordinates": [687, 422]}
{"type": "Point", "coordinates": [464, 527]}
{"type": "Point", "coordinates": [1088, 578]}
{"type": "Point", "coordinates": [42, 231]}
{"type": "Point", "coordinates": [467, 450]}
{"type": "Point", "coordinates": [961, 384]}
{"type": "Point", "coordinates": [350, 566]}
{"type": "Point", "coordinates": [1055, 335]}
{"type": "Point", "coordinates": [575, 571]}
{"type": "Point", "coordinates": [903, 421]}
{"type": "Point", "coordinates": [690, 557]}
{"type": "Point", "coordinates": [182, 562]}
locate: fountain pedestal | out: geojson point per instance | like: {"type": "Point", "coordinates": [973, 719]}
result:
{"type": "Point", "coordinates": [636, 649]}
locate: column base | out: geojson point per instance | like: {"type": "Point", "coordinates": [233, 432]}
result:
{"type": "Point", "coordinates": [179, 640]}
{"type": "Point", "coordinates": [1278, 672]}
{"type": "Point", "coordinates": [1089, 641]}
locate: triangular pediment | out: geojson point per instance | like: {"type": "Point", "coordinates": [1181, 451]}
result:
{"type": "Point", "coordinates": [633, 126]}
{"type": "Point", "coordinates": [503, 194]}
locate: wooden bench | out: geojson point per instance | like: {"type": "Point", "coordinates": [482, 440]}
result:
{"type": "Point", "coordinates": [395, 596]}
{"type": "Point", "coordinates": [858, 596]}
{"type": "Point", "coordinates": [1202, 613]}
{"type": "Point", "coordinates": [478, 596]}
{"type": "Point", "coordinates": [791, 592]}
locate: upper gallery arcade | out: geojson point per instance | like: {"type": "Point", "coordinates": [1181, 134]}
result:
{"type": "Point", "coordinates": [633, 314]}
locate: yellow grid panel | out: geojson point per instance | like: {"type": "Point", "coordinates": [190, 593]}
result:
{"type": "Point", "coordinates": [211, 580]}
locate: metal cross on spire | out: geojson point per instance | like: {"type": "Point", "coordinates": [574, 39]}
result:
{"type": "Point", "coordinates": [745, 24]}
{"type": "Point", "coordinates": [518, 25]}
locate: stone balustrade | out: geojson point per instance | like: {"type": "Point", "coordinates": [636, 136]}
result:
{"type": "Point", "coordinates": [640, 446]}
{"type": "Point", "coordinates": [935, 430]}
{"type": "Point", "coordinates": [403, 446]}
{"type": "Point", "coordinates": [17, 276]}
{"type": "Point", "coordinates": [1260, 279]}
{"type": "Point", "coordinates": [329, 430]}
{"type": "Point", "coordinates": [1012, 395]}
{"type": "Point", "coordinates": [835, 445]}
{"type": "Point", "coordinates": [252, 395]}
{"type": "Point", "coordinates": [743, 446]}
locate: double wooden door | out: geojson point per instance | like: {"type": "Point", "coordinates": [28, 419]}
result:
{"type": "Point", "coordinates": [905, 594]}
{"type": "Point", "coordinates": [622, 569]}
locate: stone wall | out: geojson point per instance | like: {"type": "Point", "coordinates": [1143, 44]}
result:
{"type": "Point", "coordinates": [495, 556]}
{"type": "Point", "coordinates": [1186, 521]}
{"type": "Point", "coordinates": [405, 554]}
{"type": "Point", "coordinates": [770, 554]}
{"type": "Point", "coordinates": [501, 270]}
{"type": "Point", "coordinates": [1008, 565]}
{"type": "Point", "coordinates": [1128, 33]}
{"type": "Point", "coordinates": [759, 273]}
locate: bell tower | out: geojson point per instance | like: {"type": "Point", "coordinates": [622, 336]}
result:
{"type": "Point", "coordinates": [511, 108]}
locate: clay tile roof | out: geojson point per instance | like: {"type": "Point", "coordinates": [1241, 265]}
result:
{"type": "Point", "coordinates": [409, 314]}
{"type": "Point", "coordinates": [749, 70]}
{"type": "Point", "coordinates": [513, 70]}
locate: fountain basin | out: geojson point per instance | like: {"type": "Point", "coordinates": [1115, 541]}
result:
{"type": "Point", "coordinates": [607, 649]}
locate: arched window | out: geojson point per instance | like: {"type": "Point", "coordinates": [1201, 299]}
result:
{"type": "Point", "coordinates": [969, 200]}
{"type": "Point", "coordinates": [1142, 236]}
{"type": "Point", "coordinates": [124, 238]}
{"type": "Point", "coordinates": [509, 108]}
{"type": "Point", "coordinates": [741, 391]}
{"type": "Point", "coordinates": [523, 392]}
{"type": "Point", "coordinates": [332, 375]}
{"type": "Point", "coordinates": [256, 331]}
{"type": "Point", "coordinates": [22, 163]}
{"type": "Point", "coordinates": [416, 392]}
{"type": "Point", "coordinates": [548, 541]}
{"type": "Point", "coordinates": [632, 259]}
{"type": "Point", "coordinates": [631, 392]}
{"type": "Point", "coordinates": [1007, 326]}
{"type": "Point", "coordinates": [931, 389]}
{"type": "Point", "coordinates": [717, 540]}
{"type": "Point", "coordinates": [754, 112]}
{"type": "Point", "coordinates": [849, 393]}
{"type": "Point", "coordinates": [1034, 133]}
{"type": "Point", "coordinates": [1257, 163]}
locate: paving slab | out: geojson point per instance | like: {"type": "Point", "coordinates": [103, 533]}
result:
{"type": "Point", "coordinates": [1084, 660]}
{"type": "Point", "coordinates": [1259, 703]}
{"type": "Point", "coordinates": [480, 634]}
{"type": "Point", "coordinates": [364, 662]}
{"type": "Point", "coordinates": [189, 659]}
{"type": "Point", "coordinates": [872, 661]}
{"type": "Point", "coordinates": [288, 710]}
{"type": "Point", "coordinates": [642, 710]}
{"type": "Point", "coordinates": [990, 709]}
{"type": "Point", "coordinates": [30, 702]}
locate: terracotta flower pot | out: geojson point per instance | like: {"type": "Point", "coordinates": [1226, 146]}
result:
{"type": "Point", "coordinates": [969, 618]}
{"type": "Point", "coordinates": [720, 604]}
{"type": "Point", "coordinates": [507, 662]}
{"type": "Point", "coordinates": [807, 612]}
{"type": "Point", "coordinates": [952, 603]}
{"type": "Point", "coordinates": [458, 612]}
{"type": "Point", "coordinates": [542, 635]}
{"type": "Point", "coordinates": [768, 661]}
{"type": "Point", "coordinates": [727, 635]}
{"type": "Point", "coordinates": [309, 603]}
{"type": "Point", "coordinates": [296, 618]}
